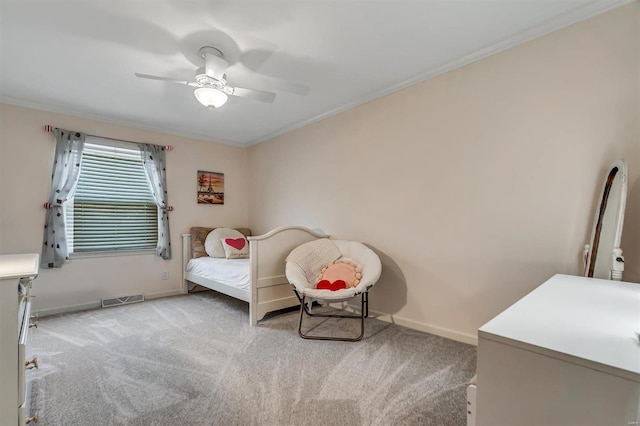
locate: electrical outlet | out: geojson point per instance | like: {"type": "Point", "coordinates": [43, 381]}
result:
{"type": "Point", "coordinates": [165, 275]}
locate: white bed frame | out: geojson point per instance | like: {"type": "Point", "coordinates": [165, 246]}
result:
{"type": "Point", "coordinates": [270, 289]}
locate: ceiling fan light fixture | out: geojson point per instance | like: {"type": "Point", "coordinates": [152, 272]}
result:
{"type": "Point", "coordinates": [210, 97]}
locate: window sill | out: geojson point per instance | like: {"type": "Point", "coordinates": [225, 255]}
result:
{"type": "Point", "coordinates": [117, 253]}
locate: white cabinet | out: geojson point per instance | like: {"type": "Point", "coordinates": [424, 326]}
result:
{"type": "Point", "coordinates": [16, 274]}
{"type": "Point", "coordinates": [565, 354]}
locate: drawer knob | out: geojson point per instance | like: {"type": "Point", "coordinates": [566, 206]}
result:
{"type": "Point", "coordinates": [33, 318]}
{"type": "Point", "coordinates": [33, 419]}
{"type": "Point", "coordinates": [28, 365]}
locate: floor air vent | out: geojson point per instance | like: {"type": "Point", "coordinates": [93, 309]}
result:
{"type": "Point", "coordinates": [123, 300]}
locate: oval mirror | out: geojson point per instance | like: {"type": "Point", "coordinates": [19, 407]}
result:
{"type": "Point", "coordinates": [603, 256]}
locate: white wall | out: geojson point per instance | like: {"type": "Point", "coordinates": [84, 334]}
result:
{"type": "Point", "coordinates": [26, 157]}
{"type": "Point", "coordinates": [477, 185]}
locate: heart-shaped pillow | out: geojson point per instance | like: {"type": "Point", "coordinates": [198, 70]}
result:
{"type": "Point", "coordinates": [235, 248]}
{"type": "Point", "coordinates": [236, 243]}
{"type": "Point", "coordinates": [214, 243]}
{"type": "Point", "coordinates": [333, 286]}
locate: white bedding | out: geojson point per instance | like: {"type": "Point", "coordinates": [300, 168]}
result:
{"type": "Point", "coordinates": [232, 272]}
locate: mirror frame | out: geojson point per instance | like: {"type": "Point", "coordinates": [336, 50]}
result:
{"type": "Point", "coordinates": [618, 170]}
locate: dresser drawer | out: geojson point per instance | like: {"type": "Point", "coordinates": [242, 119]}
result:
{"type": "Point", "coordinates": [24, 418]}
{"type": "Point", "coordinates": [16, 273]}
{"type": "Point", "coordinates": [22, 415]}
{"type": "Point", "coordinates": [26, 360]}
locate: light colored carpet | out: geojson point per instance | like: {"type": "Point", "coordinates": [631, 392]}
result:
{"type": "Point", "coordinates": [194, 360]}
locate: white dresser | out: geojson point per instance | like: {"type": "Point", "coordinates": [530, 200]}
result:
{"type": "Point", "coordinates": [565, 354]}
{"type": "Point", "coordinates": [16, 274]}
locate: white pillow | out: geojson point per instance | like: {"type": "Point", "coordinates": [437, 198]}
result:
{"type": "Point", "coordinates": [235, 248]}
{"type": "Point", "coordinates": [213, 245]}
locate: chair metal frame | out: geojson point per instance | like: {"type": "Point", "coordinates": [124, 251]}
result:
{"type": "Point", "coordinates": [364, 313]}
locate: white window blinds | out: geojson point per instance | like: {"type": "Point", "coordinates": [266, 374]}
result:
{"type": "Point", "coordinates": [113, 208]}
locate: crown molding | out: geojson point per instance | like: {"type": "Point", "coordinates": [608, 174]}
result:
{"type": "Point", "coordinates": [592, 9]}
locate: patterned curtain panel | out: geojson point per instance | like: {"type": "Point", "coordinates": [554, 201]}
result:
{"type": "Point", "coordinates": [153, 159]}
{"type": "Point", "coordinates": [66, 169]}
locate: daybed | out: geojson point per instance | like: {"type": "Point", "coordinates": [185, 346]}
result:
{"type": "Point", "coordinates": [266, 288]}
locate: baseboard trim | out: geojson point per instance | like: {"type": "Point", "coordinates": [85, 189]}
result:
{"type": "Point", "coordinates": [69, 309]}
{"type": "Point", "coordinates": [428, 328]}
{"type": "Point", "coordinates": [416, 325]}
{"type": "Point", "coordinates": [168, 293]}
{"type": "Point", "coordinates": [97, 304]}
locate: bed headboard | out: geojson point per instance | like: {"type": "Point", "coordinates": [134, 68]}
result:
{"type": "Point", "coordinates": [199, 235]}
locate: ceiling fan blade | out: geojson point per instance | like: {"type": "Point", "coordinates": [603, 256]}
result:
{"type": "Point", "coordinates": [280, 85]}
{"type": "Point", "coordinates": [171, 80]}
{"type": "Point", "coordinates": [215, 66]}
{"type": "Point", "coordinates": [295, 88]}
{"type": "Point", "coordinates": [258, 95]}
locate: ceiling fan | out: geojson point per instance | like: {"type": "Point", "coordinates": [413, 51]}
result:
{"type": "Point", "coordinates": [212, 90]}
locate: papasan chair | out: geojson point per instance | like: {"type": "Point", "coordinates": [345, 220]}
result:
{"type": "Point", "coordinates": [331, 271]}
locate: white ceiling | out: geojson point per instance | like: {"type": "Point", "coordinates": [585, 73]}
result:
{"type": "Point", "coordinates": [79, 56]}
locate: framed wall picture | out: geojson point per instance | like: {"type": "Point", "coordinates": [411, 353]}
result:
{"type": "Point", "coordinates": [210, 187]}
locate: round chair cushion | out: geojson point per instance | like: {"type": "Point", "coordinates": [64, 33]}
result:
{"type": "Point", "coordinates": [342, 269]}
{"type": "Point", "coordinates": [356, 252]}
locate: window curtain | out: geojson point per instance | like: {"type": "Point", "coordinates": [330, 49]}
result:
{"type": "Point", "coordinates": [66, 170]}
{"type": "Point", "coordinates": [153, 159]}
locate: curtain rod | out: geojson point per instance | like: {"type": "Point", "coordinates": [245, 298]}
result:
{"type": "Point", "coordinates": [49, 129]}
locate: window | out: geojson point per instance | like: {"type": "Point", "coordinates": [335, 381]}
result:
{"type": "Point", "coordinates": [113, 208]}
